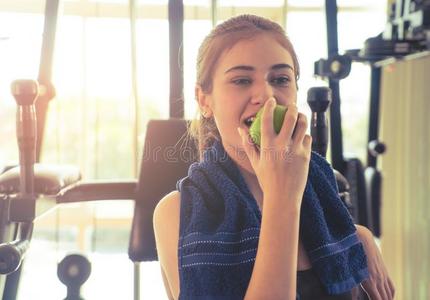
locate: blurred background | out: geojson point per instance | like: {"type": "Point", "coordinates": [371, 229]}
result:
{"type": "Point", "coordinates": [98, 119]}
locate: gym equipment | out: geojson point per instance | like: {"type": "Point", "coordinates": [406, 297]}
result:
{"type": "Point", "coordinates": [44, 79]}
{"type": "Point", "coordinates": [335, 67]}
{"type": "Point", "coordinates": [164, 157]}
{"type": "Point", "coordinates": [364, 182]}
{"type": "Point", "coordinates": [319, 99]}
{"type": "Point", "coordinates": [73, 271]}
{"type": "Point", "coordinates": [407, 30]}
{"type": "Point", "coordinates": [20, 188]}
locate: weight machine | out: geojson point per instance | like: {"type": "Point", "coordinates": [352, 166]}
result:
{"type": "Point", "coordinates": [407, 31]}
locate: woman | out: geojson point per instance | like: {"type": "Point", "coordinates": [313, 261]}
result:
{"type": "Point", "coordinates": [238, 226]}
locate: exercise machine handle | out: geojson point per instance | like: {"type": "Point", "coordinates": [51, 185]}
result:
{"type": "Point", "coordinates": [12, 253]}
{"type": "Point", "coordinates": [319, 99]}
{"type": "Point", "coordinates": [25, 93]}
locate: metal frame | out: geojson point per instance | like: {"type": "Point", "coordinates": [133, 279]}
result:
{"type": "Point", "coordinates": [10, 290]}
{"type": "Point", "coordinates": [176, 53]}
{"type": "Point", "coordinates": [45, 70]}
{"type": "Point", "coordinates": [336, 142]}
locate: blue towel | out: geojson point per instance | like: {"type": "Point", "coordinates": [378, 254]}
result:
{"type": "Point", "coordinates": [220, 224]}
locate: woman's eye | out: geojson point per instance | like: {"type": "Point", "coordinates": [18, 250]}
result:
{"type": "Point", "coordinates": [282, 80]}
{"type": "Point", "coordinates": [241, 81]}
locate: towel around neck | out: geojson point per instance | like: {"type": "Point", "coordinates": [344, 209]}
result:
{"type": "Point", "coordinates": [220, 224]}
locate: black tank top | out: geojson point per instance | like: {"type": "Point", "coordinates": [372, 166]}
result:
{"type": "Point", "coordinates": [310, 288]}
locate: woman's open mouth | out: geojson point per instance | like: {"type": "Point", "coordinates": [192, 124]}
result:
{"type": "Point", "coordinates": [248, 121]}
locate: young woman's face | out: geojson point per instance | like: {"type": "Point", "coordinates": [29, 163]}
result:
{"type": "Point", "coordinates": [245, 77]}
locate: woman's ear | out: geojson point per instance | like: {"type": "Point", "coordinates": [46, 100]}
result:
{"type": "Point", "coordinates": [204, 101]}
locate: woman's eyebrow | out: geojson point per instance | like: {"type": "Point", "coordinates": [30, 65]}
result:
{"type": "Point", "coordinates": [251, 68]}
{"type": "Point", "coordinates": [240, 67]}
{"type": "Point", "coordinates": [282, 66]}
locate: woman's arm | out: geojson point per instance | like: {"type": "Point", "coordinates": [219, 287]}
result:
{"type": "Point", "coordinates": [166, 230]}
{"type": "Point", "coordinates": [275, 270]}
{"type": "Point", "coordinates": [281, 167]}
{"type": "Point", "coordinates": [166, 285]}
{"type": "Point", "coordinates": [378, 285]}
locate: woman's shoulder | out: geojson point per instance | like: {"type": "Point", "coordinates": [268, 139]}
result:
{"type": "Point", "coordinates": [169, 202]}
{"type": "Point", "coordinates": [166, 230]}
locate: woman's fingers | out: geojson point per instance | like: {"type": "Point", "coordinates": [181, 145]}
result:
{"type": "Point", "coordinates": [391, 288]}
{"type": "Point", "coordinates": [307, 141]}
{"type": "Point", "coordinates": [300, 129]}
{"type": "Point", "coordinates": [293, 131]}
{"type": "Point", "coordinates": [383, 292]}
{"type": "Point", "coordinates": [371, 290]}
{"type": "Point", "coordinates": [289, 123]}
{"type": "Point", "coordinates": [267, 131]}
{"type": "Point", "coordinates": [388, 292]}
{"type": "Point", "coordinates": [379, 291]}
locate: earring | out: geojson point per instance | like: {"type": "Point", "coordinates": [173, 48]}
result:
{"type": "Point", "coordinates": [204, 114]}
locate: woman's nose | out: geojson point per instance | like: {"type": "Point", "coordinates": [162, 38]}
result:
{"type": "Point", "coordinates": [262, 92]}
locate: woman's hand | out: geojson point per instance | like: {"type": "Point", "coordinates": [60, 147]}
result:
{"type": "Point", "coordinates": [282, 164]}
{"type": "Point", "coordinates": [379, 285]}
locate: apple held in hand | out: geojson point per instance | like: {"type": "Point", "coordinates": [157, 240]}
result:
{"type": "Point", "coordinates": [278, 120]}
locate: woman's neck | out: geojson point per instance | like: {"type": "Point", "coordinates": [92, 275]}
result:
{"type": "Point", "coordinates": [245, 168]}
{"type": "Point", "coordinates": [253, 185]}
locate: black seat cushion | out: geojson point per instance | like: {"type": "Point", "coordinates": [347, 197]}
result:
{"type": "Point", "coordinates": [167, 155]}
{"type": "Point", "coordinates": [48, 179]}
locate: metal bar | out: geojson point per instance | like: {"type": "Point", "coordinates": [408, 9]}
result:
{"type": "Point", "coordinates": [23, 234]}
{"type": "Point", "coordinates": [92, 191]}
{"type": "Point", "coordinates": [6, 229]}
{"type": "Point", "coordinates": [45, 70]}
{"type": "Point", "coordinates": [136, 277]}
{"type": "Point", "coordinates": [11, 286]}
{"type": "Point", "coordinates": [176, 22]}
{"type": "Point", "coordinates": [399, 9]}
{"type": "Point", "coordinates": [375, 83]}
{"type": "Point", "coordinates": [335, 115]}
{"type": "Point", "coordinates": [331, 19]}
{"type": "Point", "coordinates": [135, 86]}
{"type": "Point", "coordinates": [214, 12]}
{"type": "Point", "coordinates": [284, 14]}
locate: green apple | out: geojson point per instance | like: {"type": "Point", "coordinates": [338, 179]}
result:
{"type": "Point", "coordinates": [278, 120]}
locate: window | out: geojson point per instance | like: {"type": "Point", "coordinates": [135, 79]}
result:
{"type": "Point", "coordinates": [20, 44]}
{"type": "Point", "coordinates": [194, 33]}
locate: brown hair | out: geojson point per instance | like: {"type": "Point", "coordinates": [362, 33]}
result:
{"type": "Point", "coordinates": [222, 38]}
